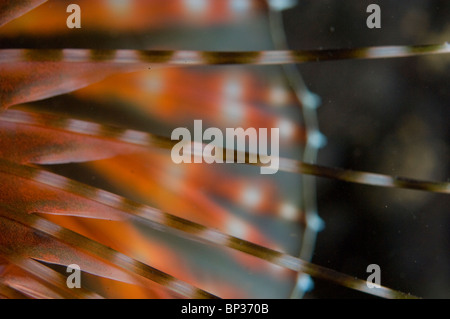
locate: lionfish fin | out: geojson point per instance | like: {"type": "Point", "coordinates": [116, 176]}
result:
{"type": "Point", "coordinates": [190, 230]}
{"type": "Point", "coordinates": [35, 280]}
{"type": "Point", "coordinates": [29, 236]}
{"type": "Point", "coordinates": [33, 74]}
{"type": "Point", "coordinates": [190, 58]}
{"type": "Point", "coordinates": [153, 141]}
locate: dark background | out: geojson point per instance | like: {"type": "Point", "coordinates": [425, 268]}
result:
{"type": "Point", "coordinates": [384, 116]}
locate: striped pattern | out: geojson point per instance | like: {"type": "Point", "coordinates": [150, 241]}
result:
{"type": "Point", "coordinates": [128, 15]}
{"type": "Point", "coordinates": [49, 276]}
{"type": "Point", "coordinates": [143, 139]}
{"type": "Point", "coordinates": [160, 220]}
{"type": "Point", "coordinates": [101, 251]}
{"type": "Point", "coordinates": [187, 58]}
{"type": "Point", "coordinates": [364, 178]}
{"type": "Point", "coordinates": [166, 222]}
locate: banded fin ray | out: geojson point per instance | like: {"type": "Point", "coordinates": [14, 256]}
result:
{"type": "Point", "coordinates": [148, 140]}
{"type": "Point", "coordinates": [190, 58]}
{"type": "Point", "coordinates": [35, 280]}
{"type": "Point", "coordinates": [166, 222]}
{"type": "Point", "coordinates": [33, 74]}
{"type": "Point", "coordinates": [29, 236]}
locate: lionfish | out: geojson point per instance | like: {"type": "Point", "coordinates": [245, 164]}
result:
{"type": "Point", "coordinates": [86, 175]}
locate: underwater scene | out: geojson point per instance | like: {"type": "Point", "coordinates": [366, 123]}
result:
{"type": "Point", "coordinates": [237, 149]}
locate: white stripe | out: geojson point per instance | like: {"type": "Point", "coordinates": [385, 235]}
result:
{"type": "Point", "coordinates": [75, 55]}
{"type": "Point", "coordinates": [387, 51]}
{"type": "Point", "coordinates": [50, 179]}
{"type": "Point", "coordinates": [186, 57]}
{"type": "Point", "coordinates": [134, 137]}
{"type": "Point", "coordinates": [83, 127]}
{"type": "Point", "coordinates": [127, 56]}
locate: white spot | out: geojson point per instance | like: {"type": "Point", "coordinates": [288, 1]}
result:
{"type": "Point", "coordinates": [43, 225]}
{"type": "Point", "coordinates": [310, 100]}
{"type": "Point", "coordinates": [389, 51]}
{"type": "Point", "coordinates": [289, 211]}
{"type": "Point", "coordinates": [251, 196]}
{"type": "Point", "coordinates": [127, 56]}
{"type": "Point", "coordinates": [50, 179]}
{"type": "Point", "coordinates": [275, 57]}
{"type": "Point", "coordinates": [316, 139]}
{"type": "Point", "coordinates": [314, 222]}
{"type": "Point", "coordinates": [233, 111]}
{"type": "Point", "coordinates": [236, 228]}
{"type": "Point", "coordinates": [240, 6]}
{"type": "Point", "coordinates": [196, 7]}
{"type": "Point", "coordinates": [83, 127]}
{"type": "Point", "coordinates": [109, 199]}
{"type": "Point", "coordinates": [278, 95]}
{"type": "Point", "coordinates": [74, 55]}
{"type": "Point", "coordinates": [134, 137]}
{"type": "Point", "coordinates": [19, 117]}
{"type": "Point", "coordinates": [153, 83]}
{"type": "Point", "coordinates": [287, 128]}
{"type": "Point", "coordinates": [305, 283]}
{"type": "Point", "coordinates": [186, 57]}
{"type": "Point", "coordinates": [151, 214]}
{"type": "Point", "coordinates": [233, 87]}
{"type": "Point", "coordinates": [375, 179]}
{"type": "Point", "coordinates": [215, 236]}
{"type": "Point", "coordinates": [182, 288]}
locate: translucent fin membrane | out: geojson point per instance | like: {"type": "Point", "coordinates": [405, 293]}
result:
{"type": "Point", "coordinates": [9, 10]}
{"type": "Point", "coordinates": [222, 97]}
{"type": "Point", "coordinates": [35, 280]}
{"type": "Point", "coordinates": [129, 15]}
{"type": "Point", "coordinates": [154, 141]}
{"type": "Point", "coordinates": [33, 74]}
{"type": "Point", "coordinates": [28, 75]}
{"type": "Point", "coordinates": [163, 221]}
{"type": "Point", "coordinates": [22, 237]}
